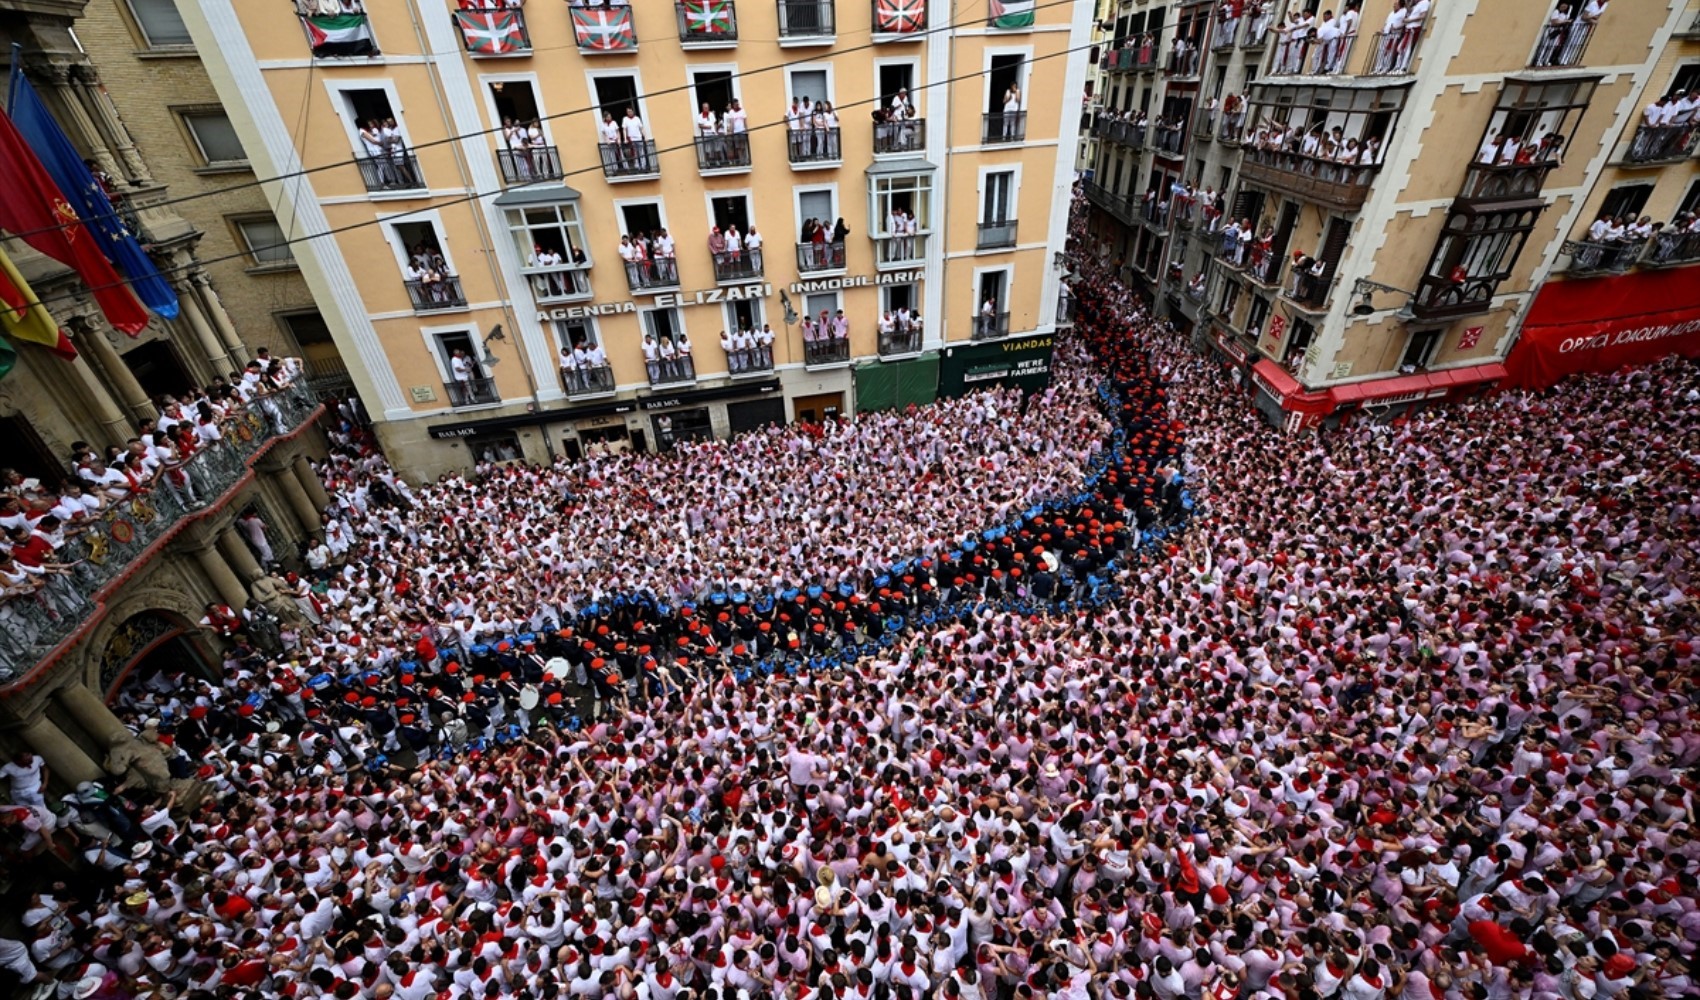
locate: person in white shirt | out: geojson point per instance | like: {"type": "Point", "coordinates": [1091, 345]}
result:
{"type": "Point", "coordinates": [752, 245]}
{"type": "Point", "coordinates": [27, 774]}
{"type": "Point", "coordinates": [734, 359]}
{"type": "Point", "coordinates": [708, 133]}
{"type": "Point", "coordinates": [635, 148]}
{"type": "Point", "coordinates": [514, 136]}
{"type": "Point", "coordinates": [1392, 39]}
{"type": "Point", "coordinates": [652, 357]}
{"type": "Point", "coordinates": [610, 136]}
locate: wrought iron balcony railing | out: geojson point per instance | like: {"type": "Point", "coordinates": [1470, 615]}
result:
{"type": "Point", "coordinates": [103, 552]}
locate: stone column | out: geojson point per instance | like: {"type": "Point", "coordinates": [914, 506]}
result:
{"type": "Point", "coordinates": [310, 483]}
{"type": "Point", "coordinates": [63, 756]}
{"type": "Point", "coordinates": [240, 558]}
{"type": "Point", "coordinates": [101, 405]}
{"type": "Point", "coordinates": [289, 481]}
{"type": "Point", "coordinates": [61, 79]}
{"type": "Point", "coordinates": [223, 578]}
{"type": "Point", "coordinates": [214, 309]}
{"type": "Point", "coordinates": [204, 336]}
{"type": "Point", "coordinates": [115, 373]}
{"type": "Point", "coordinates": [92, 714]}
{"type": "Point", "coordinates": [85, 80]}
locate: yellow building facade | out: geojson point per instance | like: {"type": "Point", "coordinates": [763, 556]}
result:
{"type": "Point", "coordinates": [1407, 178]}
{"type": "Point", "coordinates": [480, 235]}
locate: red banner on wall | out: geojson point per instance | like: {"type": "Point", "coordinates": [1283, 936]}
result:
{"type": "Point", "coordinates": [1603, 324]}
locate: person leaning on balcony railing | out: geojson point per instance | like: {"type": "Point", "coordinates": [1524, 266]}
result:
{"type": "Point", "coordinates": [717, 244]}
{"type": "Point", "coordinates": [735, 244]}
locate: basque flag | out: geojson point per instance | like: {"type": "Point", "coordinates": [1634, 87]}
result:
{"type": "Point", "coordinates": [85, 194]}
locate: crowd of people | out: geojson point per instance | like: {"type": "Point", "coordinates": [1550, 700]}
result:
{"type": "Point", "coordinates": [956, 702]}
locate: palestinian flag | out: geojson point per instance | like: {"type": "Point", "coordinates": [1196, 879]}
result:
{"type": "Point", "coordinates": [604, 29]}
{"type": "Point", "coordinates": [899, 17]}
{"type": "Point", "coordinates": [492, 32]}
{"type": "Point", "coordinates": [1012, 13]}
{"type": "Point", "coordinates": [708, 17]}
{"type": "Point", "coordinates": [340, 35]}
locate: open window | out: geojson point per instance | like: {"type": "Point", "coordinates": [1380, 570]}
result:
{"type": "Point", "coordinates": [382, 149]}
{"type": "Point", "coordinates": [550, 240]}
{"type": "Point", "coordinates": [1476, 252]}
{"type": "Point", "coordinates": [997, 210]}
{"type": "Point", "coordinates": [991, 303]}
{"type": "Point", "coordinates": [1006, 99]}
{"type": "Point", "coordinates": [426, 269]}
{"type": "Point", "coordinates": [460, 362]}
{"type": "Point", "coordinates": [900, 215]}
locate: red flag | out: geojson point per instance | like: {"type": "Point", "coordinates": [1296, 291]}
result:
{"type": "Point", "coordinates": [33, 209]}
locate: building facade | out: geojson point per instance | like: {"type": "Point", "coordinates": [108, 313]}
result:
{"type": "Point", "coordinates": [478, 170]}
{"type": "Point", "coordinates": [142, 570]}
{"type": "Point", "coordinates": [1359, 203]}
{"type": "Point", "coordinates": [153, 76]}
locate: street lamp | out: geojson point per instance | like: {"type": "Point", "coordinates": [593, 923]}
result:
{"type": "Point", "coordinates": [1364, 290]}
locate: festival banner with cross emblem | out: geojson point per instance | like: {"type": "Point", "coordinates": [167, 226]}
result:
{"type": "Point", "coordinates": [607, 29]}
{"type": "Point", "coordinates": [1012, 13]}
{"type": "Point", "coordinates": [708, 17]}
{"type": "Point", "coordinates": [900, 17]}
{"type": "Point", "coordinates": [492, 32]}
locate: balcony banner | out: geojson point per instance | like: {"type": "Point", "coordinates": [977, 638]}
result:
{"type": "Point", "coordinates": [1603, 324]}
{"type": "Point", "coordinates": [604, 29]}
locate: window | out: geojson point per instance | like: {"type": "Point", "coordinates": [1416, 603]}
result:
{"type": "Point", "coordinates": [1419, 350]}
{"type": "Point", "coordinates": [1530, 111]}
{"type": "Point", "coordinates": [895, 79]}
{"type": "Point", "coordinates": [744, 314]}
{"type": "Point", "coordinates": [265, 242]}
{"type": "Point", "coordinates": [571, 333]}
{"type": "Point", "coordinates": [714, 88]}
{"type": "Point", "coordinates": [997, 210]}
{"type": "Point", "coordinates": [1627, 200]}
{"type": "Point", "coordinates": [1006, 100]}
{"type": "Point", "coordinates": [1476, 252]}
{"type": "Point", "coordinates": [1256, 317]}
{"type": "Point", "coordinates": [615, 93]}
{"type": "Point", "coordinates": [1691, 200]}
{"type": "Point", "coordinates": [820, 302]}
{"type": "Point", "coordinates": [551, 228]}
{"type": "Point", "coordinates": [809, 84]}
{"type": "Point", "coordinates": [215, 138]}
{"type": "Point", "coordinates": [816, 205]}
{"type": "Point", "coordinates": [911, 193]}
{"type": "Point", "coordinates": [465, 379]}
{"type": "Point", "coordinates": [1298, 340]}
{"type": "Point", "coordinates": [161, 25]}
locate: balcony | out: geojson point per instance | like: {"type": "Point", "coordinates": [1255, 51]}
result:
{"type": "Point", "coordinates": [480, 391]}
{"type": "Point", "coordinates": [493, 33]}
{"type": "Point", "coordinates": [815, 258]}
{"type": "Point", "coordinates": [1588, 258]}
{"type": "Point", "coordinates": [1205, 127]}
{"type": "Point", "coordinates": [1692, 31]}
{"type": "Point", "coordinates": [1256, 33]}
{"type": "Point", "coordinates": [1656, 144]}
{"type": "Point", "coordinates": [603, 30]}
{"type": "Point", "coordinates": [1441, 298]}
{"type": "Point", "coordinates": [818, 353]}
{"type": "Point", "coordinates": [721, 154]}
{"type": "Point", "coordinates": [1312, 57]}
{"type": "Point", "coordinates": [813, 148]}
{"type": "Point", "coordinates": [1264, 266]}
{"type": "Point", "coordinates": [1310, 289]}
{"type": "Point", "coordinates": [1394, 53]}
{"type": "Point", "coordinates": [1338, 186]}
{"type": "Point", "coordinates": [745, 265]}
{"type": "Point", "coordinates": [900, 343]}
{"type": "Point", "coordinates": [906, 136]}
{"type": "Point", "coordinates": [1117, 205]}
{"type": "Point", "coordinates": [990, 325]}
{"type": "Point", "coordinates": [1562, 46]}
{"type": "Point", "coordinates": [538, 163]}
{"type": "Point", "coordinates": [1672, 249]}
{"type": "Point", "coordinates": [707, 24]}
{"type": "Point", "coordinates": [807, 22]}
{"type": "Point", "coordinates": [436, 296]}
{"type": "Point", "coordinates": [659, 274]}
{"type": "Point", "coordinates": [1154, 215]}
{"type": "Point", "coordinates": [1128, 134]}
{"type": "Point", "coordinates": [345, 35]}
{"type": "Point", "coordinates": [391, 173]}
{"type": "Point", "coordinates": [996, 235]}
{"type": "Point", "coordinates": [899, 20]}
{"type": "Point", "coordinates": [592, 380]}
{"type": "Point", "coordinates": [1171, 139]}
{"type": "Point", "coordinates": [630, 161]}
{"type": "Point", "coordinates": [676, 370]}
{"type": "Point", "coordinates": [561, 283]}
{"type": "Point", "coordinates": [908, 250]}
{"type": "Point", "coordinates": [1484, 184]}
{"type": "Point", "coordinates": [1004, 127]}
{"type": "Point", "coordinates": [1226, 34]}
{"type": "Point", "coordinates": [105, 554]}
{"type": "Point", "coordinates": [757, 360]}
{"type": "Point", "coordinates": [1184, 64]}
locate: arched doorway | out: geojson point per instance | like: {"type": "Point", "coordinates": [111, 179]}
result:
{"type": "Point", "coordinates": [150, 644]}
